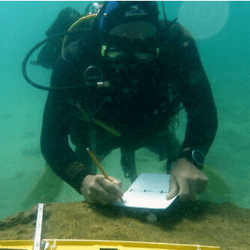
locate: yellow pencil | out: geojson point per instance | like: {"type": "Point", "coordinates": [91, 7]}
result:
{"type": "Point", "coordinates": [94, 159]}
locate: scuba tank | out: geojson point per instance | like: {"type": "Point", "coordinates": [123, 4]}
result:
{"type": "Point", "coordinates": [49, 53]}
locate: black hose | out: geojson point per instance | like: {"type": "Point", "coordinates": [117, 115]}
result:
{"type": "Point", "coordinates": [27, 57]}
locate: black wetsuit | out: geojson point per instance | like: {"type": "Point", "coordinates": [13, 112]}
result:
{"type": "Point", "coordinates": [142, 119]}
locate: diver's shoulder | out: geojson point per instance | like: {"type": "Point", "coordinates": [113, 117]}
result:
{"type": "Point", "coordinates": [78, 50]}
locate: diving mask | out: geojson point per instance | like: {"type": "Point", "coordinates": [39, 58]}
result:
{"type": "Point", "coordinates": [115, 55]}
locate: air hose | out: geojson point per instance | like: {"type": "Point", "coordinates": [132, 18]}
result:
{"type": "Point", "coordinates": [27, 57]}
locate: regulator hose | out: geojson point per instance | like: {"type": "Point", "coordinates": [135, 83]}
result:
{"type": "Point", "coordinates": [27, 57]}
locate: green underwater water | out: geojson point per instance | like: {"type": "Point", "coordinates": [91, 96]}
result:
{"type": "Point", "coordinates": [24, 178]}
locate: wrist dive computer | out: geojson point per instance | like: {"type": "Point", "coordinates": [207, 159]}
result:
{"type": "Point", "coordinates": [195, 156]}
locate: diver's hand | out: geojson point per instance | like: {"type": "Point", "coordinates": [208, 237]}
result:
{"type": "Point", "coordinates": [98, 189]}
{"type": "Point", "coordinates": [186, 180]}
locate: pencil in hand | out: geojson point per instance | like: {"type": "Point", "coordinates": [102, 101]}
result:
{"type": "Point", "coordinates": [94, 159]}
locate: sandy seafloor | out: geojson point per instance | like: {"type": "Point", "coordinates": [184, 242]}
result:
{"type": "Point", "coordinates": [24, 180]}
{"type": "Point", "coordinates": [197, 223]}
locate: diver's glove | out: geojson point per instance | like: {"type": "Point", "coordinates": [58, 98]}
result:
{"type": "Point", "coordinates": [98, 189]}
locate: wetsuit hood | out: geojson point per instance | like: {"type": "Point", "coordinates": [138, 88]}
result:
{"type": "Point", "coordinates": [115, 13]}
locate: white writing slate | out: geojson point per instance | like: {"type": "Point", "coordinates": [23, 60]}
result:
{"type": "Point", "coordinates": [149, 190]}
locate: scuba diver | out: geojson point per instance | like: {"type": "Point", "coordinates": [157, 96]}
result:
{"type": "Point", "coordinates": [121, 85]}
